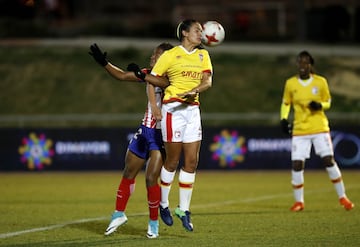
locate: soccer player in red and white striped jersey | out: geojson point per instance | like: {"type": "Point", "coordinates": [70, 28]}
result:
{"type": "Point", "coordinates": [146, 146]}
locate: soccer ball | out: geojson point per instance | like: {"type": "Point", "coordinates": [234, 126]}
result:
{"type": "Point", "coordinates": [213, 33]}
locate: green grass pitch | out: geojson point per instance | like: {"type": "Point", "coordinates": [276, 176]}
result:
{"type": "Point", "coordinates": [229, 208]}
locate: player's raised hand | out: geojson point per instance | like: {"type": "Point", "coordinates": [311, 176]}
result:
{"type": "Point", "coordinates": [137, 71]}
{"type": "Point", "coordinates": [98, 55]}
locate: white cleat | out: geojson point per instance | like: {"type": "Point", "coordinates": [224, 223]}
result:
{"type": "Point", "coordinates": [117, 219]}
{"type": "Point", "coordinates": [153, 229]}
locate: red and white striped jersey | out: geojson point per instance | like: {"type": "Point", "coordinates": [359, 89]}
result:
{"type": "Point", "coordinates": [149, 120]}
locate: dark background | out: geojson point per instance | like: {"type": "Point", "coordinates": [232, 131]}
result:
{"type": "Point", "coordinates": [326, 21]}
{"type": "Point", "coordinates": [303, 22]}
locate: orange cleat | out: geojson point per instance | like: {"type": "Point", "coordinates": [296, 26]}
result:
{"type": "Point", "coordinates": [346, 203]}
{"type": "Point", "coordinates": [298, 206]}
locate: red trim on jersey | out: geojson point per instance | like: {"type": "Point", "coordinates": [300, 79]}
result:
{"type": "Point", "coordinates": [168, 127]}
{"type": "Point", "coordinates": [207, 71]}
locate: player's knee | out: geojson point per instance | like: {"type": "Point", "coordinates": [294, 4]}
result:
{"type": "Point", "coordinates": [298, 165]}
{"type": "Point", "coordinates": [126, 173]}
{"type": "Point", "coordinates": [192, 163]}
{"type": "Point", "coordinates": [129, 172]}
{"type": "Point", "coordinates": [328, 161]}
{"type": "Point", "coordinates": [190, 166]}
{"type": "Point", "coordinates": [151, 180]}
{"type": "Point", "coordinates": [171, 165]}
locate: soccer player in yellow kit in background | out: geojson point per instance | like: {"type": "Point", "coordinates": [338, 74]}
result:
{"type": "Point", "coordinates": [309, 95]}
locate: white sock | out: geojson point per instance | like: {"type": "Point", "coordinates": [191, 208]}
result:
{"type": "Point", "coordinates": [297, 181]}
{"type": "Point", "coordinates": [166, 178]}
{"type": "Point", "coordinates": [335, 177]}
{"type": "Point", "coordinates": [186, 182]}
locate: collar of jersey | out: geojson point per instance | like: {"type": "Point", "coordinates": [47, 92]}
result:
{"type": "Point", "coordinates": [305, 82]}
{"type": "Point", "coordinates": [193, 51]}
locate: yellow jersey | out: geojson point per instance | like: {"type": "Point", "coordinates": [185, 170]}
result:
{"type": "Point", "coordinates": [184, 70]}
{"type": "Point", "coordinates": [299, 93]}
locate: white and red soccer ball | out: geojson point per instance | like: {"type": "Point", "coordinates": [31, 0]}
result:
{"type": "Point", "coordinates": [213, 33]}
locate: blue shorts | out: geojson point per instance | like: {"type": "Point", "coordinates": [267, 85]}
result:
{"type": "Point", "coordinates": [145, 140]}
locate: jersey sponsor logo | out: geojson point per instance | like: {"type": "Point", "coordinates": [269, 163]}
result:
{"type": "Point", "coordinates": [191, 74]}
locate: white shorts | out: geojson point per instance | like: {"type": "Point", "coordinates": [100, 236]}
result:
{"type": "Point", "coordinates": [301, 146]}
{"type": "Point", "coordinates": [181, 123]}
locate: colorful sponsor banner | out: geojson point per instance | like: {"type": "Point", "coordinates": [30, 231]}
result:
{"type": "Point", "coordinates": [104, 148]}
{"type": "Point", "coordinates": [246, 148]}
{"type": "Point", "coordinates": [63, 149]}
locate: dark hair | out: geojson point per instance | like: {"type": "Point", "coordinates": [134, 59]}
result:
{"type": "Point", "coordinates": [184, 25]}
{"type": "Point", "coordinates": [306, 54]}
{"type": "Point", "coordinates": [165, 46]}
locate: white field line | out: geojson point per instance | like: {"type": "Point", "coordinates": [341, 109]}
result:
{"type": "Point", "coordinates": [208, 205]}
{"type": "Point", "coordinates": [46, 228]}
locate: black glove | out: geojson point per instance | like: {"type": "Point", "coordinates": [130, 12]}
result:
{"type": "Point", "coordinates": [315, 106]}
{"type": "Point", "coordinates": [137, 71]}
{"type": "Point", "coordinates": [98, 55]}
{"type": "Point", "coordinates": [286, 126]}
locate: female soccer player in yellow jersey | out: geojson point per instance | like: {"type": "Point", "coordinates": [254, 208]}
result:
{"type": "Point", "coordinates": [309, 95]}
{"type": "Point", "coordinates": [189, 71]}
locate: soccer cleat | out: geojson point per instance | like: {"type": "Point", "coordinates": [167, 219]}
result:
{"type": "Point", "coordinates": [298, 206]}
{"type": "Point", "coordinates": [166, 216]}
{"type": "Point", "coordinates": [117, 219]}
{"type": "Point", "coordinates": [346, 203]}
{"type": "Point", "coordinates": [185, 218]}
{"type": "Point", "coordinates": [153, 229]}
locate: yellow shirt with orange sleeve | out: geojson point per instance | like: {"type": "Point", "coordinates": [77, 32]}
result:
{"type": "Point", "coordinates": [298, 94]}
{"type": "Point", "coordinates": [184, 70]}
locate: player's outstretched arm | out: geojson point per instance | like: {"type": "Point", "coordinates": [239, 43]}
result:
{"type": "Point", "coordinates": [120, 74]}
{"type": "Point", "coordinates": [159, 81]}
{"type": "Point", "coordinates": [100, 57]}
